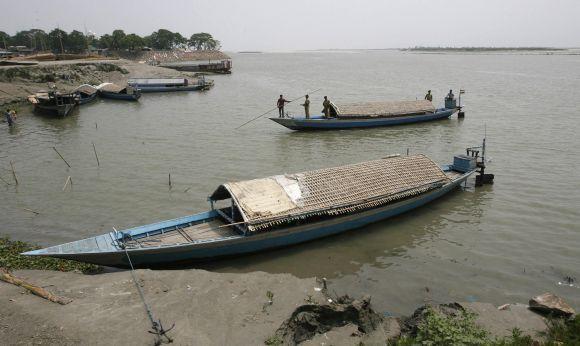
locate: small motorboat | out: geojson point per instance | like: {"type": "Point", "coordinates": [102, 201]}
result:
{"type": "Point", "coordinates": [117, 92]}
{"type": "Point", "coordinates": [277, 211]}
{"type": "Point", "coordinates": [86, 93]}
{"type": "Point", "coordinates": [147, 85]}
{"type": "Point", "coordinates": [371, 114]}
{"type": "Point", "coordinates": [54, 102]}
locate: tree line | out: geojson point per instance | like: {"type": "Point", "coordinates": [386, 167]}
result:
{"type": "Point", "coordinates": [59, 41]}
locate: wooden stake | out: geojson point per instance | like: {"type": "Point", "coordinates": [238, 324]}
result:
{"type": "Point", "coordinates": [32, 211]}
{"type": "Point", "coordinates": [14, 173]}
{"type": "Point", "coordinates": [7, 183]}
{"type": "Point", "coordinates": [61, 157]}
{"type": "Point", "coordinates": [66, 182]}
{"type": "Point", "coordinates": [169, 180]}
{"type": "Point", "coordinates": [96, 156]}
{"type": "Point", "coordinates": [6, 276]}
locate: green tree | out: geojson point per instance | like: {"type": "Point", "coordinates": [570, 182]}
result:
{"type": "Point", "coordinates": [57, 40]}
{"type": "Point", "coordinates": [118, 36]}
{"type": "Point", "coordinates": [203, 40]}
{"type": "Point", "coordinates": [165, 39]}
{"type": "Point", "coordinates": [133, 42]}
{"type": "Point", "coordinates": [76, 42]}
{"type": "Point", "coordinates": [4, 40]}
{"type": "Point", "coordinates": [105, 42]}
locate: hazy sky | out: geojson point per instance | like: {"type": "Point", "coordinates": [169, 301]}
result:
{"type": "Point", "coordinates": [316, 24]}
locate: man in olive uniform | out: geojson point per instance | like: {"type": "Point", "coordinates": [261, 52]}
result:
{"type": "Point", "coordinates": [326, 105]}
{"type": "Point", "coordinates": [306, 105]}
{"type": "Point", "coordinates": [429, 97]}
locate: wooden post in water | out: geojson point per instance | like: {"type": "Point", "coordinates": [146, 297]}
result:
{"type": "Point", "coordinates": [96, 156]}
{"type": "Point", "coordinates": [14, 173]}
{"type": "Point", "coordinates": [66, 183]}
{"type": "Point", "coordinates": [61, 157]}
{"type": "Point", "coordinates": [5, 182]}
{"type": "Point", "coordinates": [170, 180]}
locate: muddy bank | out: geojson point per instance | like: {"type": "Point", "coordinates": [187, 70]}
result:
{"type": "Point", "coordinates": [206, 308]}
{"type": "Point", "coordinates": [17, 82]}
{"type": "Point", "coordinates": [218, 309]}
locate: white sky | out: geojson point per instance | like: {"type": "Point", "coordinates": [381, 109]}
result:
{"type": "Point", "coordinates": [273, 25]}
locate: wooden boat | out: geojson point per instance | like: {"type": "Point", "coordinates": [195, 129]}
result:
{"type": "Point", "coordinates": [117, 92]}
{"type": "Point", "coordinates": [371, 114]}
{"type": "Point", "coordinates": [277, 211]}
{"type": "Point", "coordinates": [86, 93]}
{"type": "Point", "coordinates": [169, 84]}
{"type": "Point", "coordinates": [54, 102]}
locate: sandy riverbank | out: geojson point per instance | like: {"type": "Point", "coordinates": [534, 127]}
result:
{"type": "Point", "coordinates": [209, 309]}
{"type": "Point", "coordinates": [17, 82]}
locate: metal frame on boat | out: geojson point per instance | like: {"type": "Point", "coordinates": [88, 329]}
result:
{"type": "Point", "coordinates": [283, 210]}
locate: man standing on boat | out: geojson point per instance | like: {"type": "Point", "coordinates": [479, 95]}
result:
{"type": "Point", "coordinates": [450, 95]}
{"type": "Point", "coordinates": [280, 104]}
{"type": "Point", "coordinates": [429, 96]}
{"type": "Point", "coordinates": [306, 105]}
{"type": "Point", "coordinates": [326, 109]}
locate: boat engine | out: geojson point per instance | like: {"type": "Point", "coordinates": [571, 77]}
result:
{"type": "Point", "coordinates": [481, 178]}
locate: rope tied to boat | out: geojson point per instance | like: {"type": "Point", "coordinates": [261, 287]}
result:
{"type": "Point", "coordinates": [158, 330]}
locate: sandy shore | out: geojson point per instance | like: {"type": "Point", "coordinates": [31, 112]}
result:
{"type": "Point", "coordinates": [206, 308]}
{"type": "Point", "coordinates": [209, 308]}
{"type": "Point", "coordinates": [17, 82]}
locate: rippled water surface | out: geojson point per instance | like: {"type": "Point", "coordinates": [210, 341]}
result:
{"type": "Point", "coordinates": [499, 243]}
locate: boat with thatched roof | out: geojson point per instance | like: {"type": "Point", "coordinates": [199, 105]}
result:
{"type": "Point", "coordinates": [118, 92]}
{"type": "Point", "coordinates": [86, 93]}
{"type": "Point", "coordinates": [259, 214]}
{"type": "Point", "coordinates": [371, 114]}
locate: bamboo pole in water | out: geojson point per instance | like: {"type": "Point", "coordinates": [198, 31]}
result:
{"type": "Point", "coordinates": [7, 183]}
{"type": "Point", "coordinates": [66, 182]}
{"type": "Point", "coordinates": [14, 172]}
{"type": "Point", "coordinates": [96, 156]}
{"type": "Point", "coordinates": [61, 157]}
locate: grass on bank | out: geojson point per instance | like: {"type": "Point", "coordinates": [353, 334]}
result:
{"type": "Point", "coordinates": [11, 259]}
{"type": "Point", "coordinates": [441, 330]}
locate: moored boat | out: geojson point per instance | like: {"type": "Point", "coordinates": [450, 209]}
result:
{"type": "Point", "coordinates": [117, 92]}
{"type": "Point", "coordinates": [170, 84]}
{"type": "Point", "coordinates": [86, 93]}
{"type": "Point", "coordinates": [371, 114]}
{"type": "Point", "coordinates": [254, 215]}
{"type": "Point", "coordinates": [54, 102]}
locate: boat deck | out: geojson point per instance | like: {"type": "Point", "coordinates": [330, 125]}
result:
{"type": "Point", "coordinates": [453, 174]}
{"type": "Point", "coordinates": [183, 235]}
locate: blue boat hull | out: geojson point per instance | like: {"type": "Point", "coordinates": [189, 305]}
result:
{"type": "Point", "coordinates": [238, 245]}
{"type": "Point", "coordinates": [117, 96]}
{"type": "Point", "coordinates": [83, 100]}
{"type": "Point", "coordinates": [320, 123]}
{"type": "Point", "coordinates": [144, 89]}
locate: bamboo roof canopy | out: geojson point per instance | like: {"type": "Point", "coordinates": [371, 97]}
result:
{"type": "Point", "coordinates": [278, 199]}
{"type": "Point", "coordinates": [385, 109]}
{"type": "Point", "coordinates": [87, 89]}
{"type": "Point", "coordinates": [110, 87]}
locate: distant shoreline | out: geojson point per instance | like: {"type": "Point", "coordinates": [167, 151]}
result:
{"type": "Point", "coordinates": [483, 49]}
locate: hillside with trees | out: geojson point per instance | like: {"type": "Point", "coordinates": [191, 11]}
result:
{"type": "Point", "coordinates": [59, 41]}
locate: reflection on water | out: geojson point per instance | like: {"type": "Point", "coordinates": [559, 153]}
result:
{"type": "Point", "coordinates": [501, 244]}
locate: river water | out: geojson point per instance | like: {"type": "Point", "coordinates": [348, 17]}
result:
{"type": "Point", "coordinates": [500, 243]}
